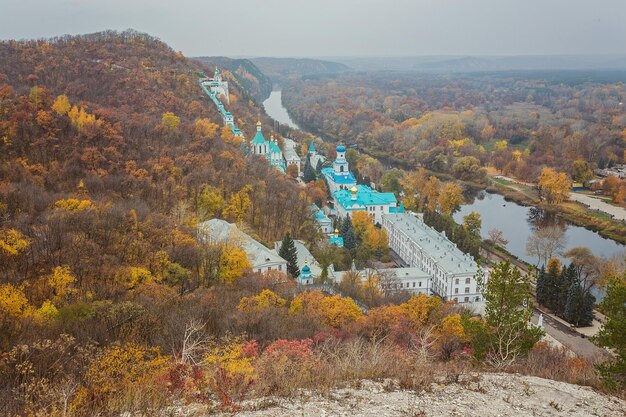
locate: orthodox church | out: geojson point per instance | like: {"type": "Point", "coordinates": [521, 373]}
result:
{"type": "Point", "coordinates": [339, 176]}
{"type": "Point", "coordinates": [348, 197]}
{"type": "Point", "coordinates": [268, 148]}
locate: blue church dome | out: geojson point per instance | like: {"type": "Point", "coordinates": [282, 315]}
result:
{"type": "Point", "coordinates": [306, 269]}
{"type": "Point", "coordinates": [341, 148]}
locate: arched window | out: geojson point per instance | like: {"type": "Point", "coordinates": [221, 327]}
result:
{"type": "Point", "coordinates": [341, 168]}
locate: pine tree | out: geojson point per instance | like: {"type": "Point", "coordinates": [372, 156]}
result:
{"type": "Point", "coordinates": [612, 335]}
{"type": "Point", "coordinates": [347, 232]}
{"type": "Point", "coordinates": [566, 279]}
{"type": "Point", "coordinates": [346, 224]}
{"type": "Point", "coordinates": [288, 252]}
{"type": "Point", "coordinates": [349, 239]}
{"type": "Point", "coordinates": [579, 306]}
{"type": "Point", "coordinates": [309, 172]}
{"type": "Point", "coordinates": [508, 309]}
{"type": "Point", "coordinates": [318, 168]}
{"type": "Point", "coordinates": [551, 284]}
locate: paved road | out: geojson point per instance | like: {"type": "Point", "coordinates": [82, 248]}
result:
{"type": "Point", "coordinates": [571, 339]}
{"type": "Point", "coordinates": [618, 213]}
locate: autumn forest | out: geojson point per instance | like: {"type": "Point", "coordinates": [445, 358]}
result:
{"type": "Point", "coordinates": [111, 155]}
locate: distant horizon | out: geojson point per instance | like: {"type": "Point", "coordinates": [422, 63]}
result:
{"type": "Point", "coordinates": [347, 28]}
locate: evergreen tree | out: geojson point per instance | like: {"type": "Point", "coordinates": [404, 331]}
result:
{"type": "Point", "coordinates": [579, 306]}
{"type": "Point", "coordinates": [288, 252]}
{"type": "Point", "coordinates": [567, 278]}
{"type": "Point", "coordinates": [309, 172]}
{"type": "Point", "coordinates": [508, 309]}
{"type": "Point", "coordinates": [550, 292]}
{"type": "Point", "coordinates": [347, 232]}
{"type": "Point", "coordinates": [349, 239]}
{"type": "Point", "coordinates": [318, 168]}
{"type": "Point", "coordinates": [346, 224]}
{"type": "Point", "coordinates": [612, 335]}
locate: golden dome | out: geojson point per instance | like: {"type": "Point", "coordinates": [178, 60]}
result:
{"type": "Point", "coordinates": [353, 189]}
{"type": "Point", "coordinates": [336, 230]}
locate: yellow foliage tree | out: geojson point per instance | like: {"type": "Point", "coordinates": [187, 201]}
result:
{"type": "Point", "coordinates": [412, 184]}
{"type": "Point", "coordinates": [73, 204]}
{"type": "Point", "coordinates": [61, 282]}
{"type": "Point", "coordinates": [449, 198]}
{"type": "Point", "coordinates": [121, 368]}
{"type": "Point", "coordinates": [500, 145]}
{"type": "Point", "coordinates": [13, 302]}
{"type": "Point", "coordinates": [339, 311]}
{"type": "Point", "coordinates": [80, 119]}
{"type": "Point", "coordinates": [376, 240]}
{"type": "Point", "coordinates": [205, 128]}
{"type": "Point", "coordinates": [238, 205]}
{"type": "Point", "coordinates": [35, 96]}
{"type": "Point", "coordinates": [61, 105]}
{"type": "Point", "coordinates": [335, 311]}
{"type": "Point", "coordinates": [228, 136]}
{"type": "Point", "coordinates": [233, 263]}
{"type": "Point", "coordinates": [264, 300]}
{"type": "Point", "coordinates": [430, 193]}
{"type": "Point", "coordinates": [210, 202]}
{"type": "Point", "coordinates": [361, 223]}
{"type": "Point", "coordinates": [230, 362]}
{"type": "Point", "coordinates": [419, 309]}
{"type": "Point", "coordinates": [132, 276]}
{"type": "Point", "coordinates": [12, 242]}
{"type": "Point", "coordinates": [47, 312]}
{"type": "Point", "coordinates": [170, 121]}
{"type": "Point", "coordinates": [451, 326]}
{"type": "Point", "coordinates": [555, 186]}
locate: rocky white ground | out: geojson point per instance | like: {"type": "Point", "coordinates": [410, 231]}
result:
{"type": "Point", "coordinates": [480, 395]}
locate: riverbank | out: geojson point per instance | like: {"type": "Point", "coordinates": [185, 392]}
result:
{"type": "Point", "coordinates": [573, 212]}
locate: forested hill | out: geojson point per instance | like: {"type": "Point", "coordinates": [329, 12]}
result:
{"type": "Point", "coordinates": [277, 68]}
{"type": "Point", "coordinates": [110, 154]}
{"type": "Point", "coordinates": [250, 80]}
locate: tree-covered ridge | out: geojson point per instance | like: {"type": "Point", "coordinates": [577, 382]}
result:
{"type": "Point", "coordinates": [282, 68]}
{"type": "Point", "coordinates": [109, 157]}
{"type": "Point", "coordinates": [449, 123]}
{"type": "Point", "coordinates": [249, 79]}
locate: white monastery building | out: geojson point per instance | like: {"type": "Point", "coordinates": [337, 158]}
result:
{"type": "Point", "coordinates": [261, 258]}
{"type": "Point", "coordinates": [452, 272]}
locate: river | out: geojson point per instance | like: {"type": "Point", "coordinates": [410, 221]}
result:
{"type": "Point", "coordinates": [517, 222]}
{"type": "Point", "coordinates": [274, 107]}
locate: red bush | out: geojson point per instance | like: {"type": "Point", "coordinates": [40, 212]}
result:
{"type": "Point", "coordinates": [293, 349]}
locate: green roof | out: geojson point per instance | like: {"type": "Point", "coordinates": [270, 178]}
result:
{"type": "Point", "coordinates": [365, 196]}
{"type": "Point", "coordinates": [274, 147]}
{"type": "Point", "coordinates": [259, 139]}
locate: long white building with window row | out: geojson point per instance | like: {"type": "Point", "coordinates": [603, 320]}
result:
{"type": "Point", "coordinates": [452, 272]}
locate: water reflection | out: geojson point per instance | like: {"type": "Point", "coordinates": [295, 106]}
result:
{"type": "Point", "coordinates": [518, 222]}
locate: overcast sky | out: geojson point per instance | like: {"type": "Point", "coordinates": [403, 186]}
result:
{"type": "Point", "coordinates": [337, 27]}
